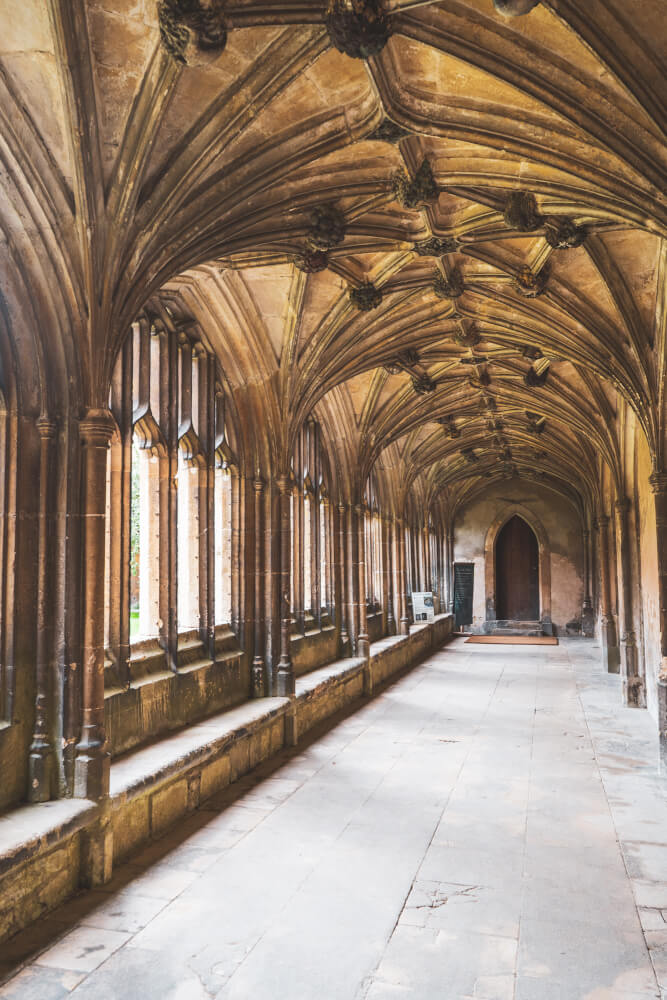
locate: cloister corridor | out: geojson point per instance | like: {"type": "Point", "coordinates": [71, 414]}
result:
{"type": "Point", "coordinates": [492, 826]}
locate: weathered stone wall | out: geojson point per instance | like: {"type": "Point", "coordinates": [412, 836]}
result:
{"type": "Point", "coordinates": [563, 529]}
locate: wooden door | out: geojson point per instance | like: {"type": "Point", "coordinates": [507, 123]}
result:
{"type": "Point", "coordinates": [517, 572]}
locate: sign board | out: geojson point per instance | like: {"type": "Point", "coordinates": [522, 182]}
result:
{"type": "Point", "coordinates": [422, 606]}
{"type": "Point", "coordinates": [464, 578]}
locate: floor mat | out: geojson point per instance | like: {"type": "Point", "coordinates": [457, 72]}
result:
{"type": "Point", "coordinates": [516, 640]}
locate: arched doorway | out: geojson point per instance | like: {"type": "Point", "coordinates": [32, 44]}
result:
{"type": "Point", "coordinates": [517, 572]}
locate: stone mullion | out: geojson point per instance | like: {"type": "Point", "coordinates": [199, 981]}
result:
{"type": "Point", "coordinates": [450, 569]}
{"type": "Point", "coordinates": [40, 760]}
{"type": "Point", "coordinates": [587, 617]}
{"type": "Point", "coordinates": [285, 672]}
{"type": "Point", "coordinates": [258, 688]}
{"type": "Point", "coordinates": [315, 522]}
{"type": "Point", "coordinates": [121, 516]}
{"type": "Point", "coordinates": [610, 651]}
{"type": "Point", "coordinates": [237, 484]}
{"type": "Point", "coordinates": [168, 497]}
{"type": "Point", "coordinates": [340, 584]}
{"type": "Point", "coordinates": [205, 498]}
{"type": "Point", "coordinates": [658, 483]}
{"type": "Point", "coordinates": [633, 683]}
{"type": "Point", "coordinates": [352, 599]}
{"type": "Point", "coordinates": [404, 623]}
{"type": "Point", "coordinates": [91, 767]}
{"type": "Point", "coordinates": [362, 641]}
{"type": "Point", "coordinates": [387, 595]}
{"type": "Point", "coordinates": [273, 584]}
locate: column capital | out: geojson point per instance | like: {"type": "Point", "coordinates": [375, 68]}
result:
{"type": "Point", "coordinates": [622, 505]}
{"type": "Point", "coordinates": [46, 426]}
{"type": "Point", "coordinates": [97, 427]}
{"type": "Point", "coordinates": [284, 484]}
{"type": "Point", "coordinates": [601, 522]}
{"type": "Point", "coordinates": [258, 484]}
{"type": "Point", "coordinates": [658, 482]}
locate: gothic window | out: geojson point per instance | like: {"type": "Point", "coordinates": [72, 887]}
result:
{"type": "Point", "coordinates": [7, 527]}
{"type": "Point", "coordinates": [311, 583]}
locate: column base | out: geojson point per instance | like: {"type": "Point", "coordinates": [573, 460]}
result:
{"type": "Point", "coordinates": [91, 774]}
{"type": "Point", "coordinates": [40, 770]}
{"type": "Point", "coordinates": [611, 654]}
{"type": "Point", "coordinates": [285, 680]}
{"type": "Point", "coordinates": [634, 694]}
{"type": "Point", "coordinates": [405, 627]}
{"type": "Point", "coordinates": [587, 621]}
{"type": "Point", "coordinates": [363, 647]}
{"type": "Point", "coordinates": [258, 678]}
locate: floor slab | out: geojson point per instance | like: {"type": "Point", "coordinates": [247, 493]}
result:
{"type": "Point", "coordinates": [493, 826]}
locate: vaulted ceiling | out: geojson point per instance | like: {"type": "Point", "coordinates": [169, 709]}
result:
{"type": "Point", "coordinates": [452, 250]}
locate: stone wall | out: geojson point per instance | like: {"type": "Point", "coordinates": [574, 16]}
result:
{"type": "Point", "coordinates": [562, 527]}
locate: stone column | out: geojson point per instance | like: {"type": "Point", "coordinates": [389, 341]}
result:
{"type": "Point", "coordinates": [340, 596]}
{"type": "Point", "coordinates": [611, 656]}
{"type": "Point", "coordinates": [587, 616]}
{"type": "Point", "coordinates": [40, 761]}
{"type": "Point", "coordinates": [285, 672]}
{"type": "Point", "coordinates": [404, 624]}
{"type": "Point", "coordinates": [449, 569]}
{"type": "Point", "coordinates": [91, 766]}
{"type": "Point", "coordinates": [658, 483]}
{"type": "Point", "coordinates": [363, 646]}
{"type": "Point", "coordinates": [258, 659]}
{"type": "Point", "coordinates": [388, 569]}
{"type": "Point", "coordinates": [633, 684]}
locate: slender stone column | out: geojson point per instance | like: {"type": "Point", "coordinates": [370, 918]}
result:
{"type": "Point", "coordinates": [341, 602]}
{"type": "Point", "coordinates": [285, 672]}
{"type": "Point", "coordinates": [658, 482]}
{"type": "Point", "coordinates": [40, 761]}
{"type": "Point", "coordinates": [363, 646]}
{"type": "Point", "coordinates": [388, 564]}
{"type": "Point", "coordinates": [449, 569]}
{"type": "Point", "coordinates": [611, 656]}
{"type": "Point", "coordinates": [91, 767]}
{"type": "Point", "coordinates": [587, 617]}
{"type": "Point", "coordinates": [258, 660]}
{"type": "Point", "coordinates": [404, 624]}
{"type": "Point", "coordinates": [633, 683]}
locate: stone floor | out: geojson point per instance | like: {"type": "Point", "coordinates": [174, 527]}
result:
{"type": "Point", "coordinates": [492, 826]}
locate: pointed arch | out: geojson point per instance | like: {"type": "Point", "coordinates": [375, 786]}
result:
{"type": "Point", "coordinates": [534, 523]}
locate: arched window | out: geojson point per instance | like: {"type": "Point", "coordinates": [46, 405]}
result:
{"type": "Point", "coordinates": [311, 584]}
{"type": "Point", "coordinates": [170, 496]}
{"type": "Point", "coordinates": [373, 544]}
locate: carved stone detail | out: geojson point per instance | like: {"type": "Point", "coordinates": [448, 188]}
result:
{"type": "Point", "coordinates": [422, 189]}
{"type": "Point", "coordinates": [388, 131]}
{"type": "Point", "coordinates": [327, 227]}
{"type": "Point", "coordinates": [532, 353]}
{"type": "Point", "coordinates": [469, 337]}
{"type": "Point", "coordinates": [521, 212]}
{"type": "Point", "coordinates": [448, 288]}
{"type": "Point", "coordinates": [312, 261]}
{"type": "Point", "coordinates": [562, 233]}
{"type": "Point", "coordinates": [450, 428]}
{"type": "Point", "coordinates": [205, 18]}
{"type": "Point", "coordinates": [534, 379]}
{"type": "Point", "coordinates": [515, 8]}
{"type": "Point", "coordinates": [536, 423]}
{"type": "Point", "coordinates": [529, 283]}
{"type": "Point", "coordinates": [405, 360]}
{"type": "Point", "coordinates": [423, 384]}
{"type": "Point", "coordinates": [469, 454]}
{"type": "Point", "coordinates": [366, 297]}
{"type": "Point", "coordinates": [436, 246]}
{"type": "Point", "coordinates": [359, 28]}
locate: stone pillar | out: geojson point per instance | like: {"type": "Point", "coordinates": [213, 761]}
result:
{"type": "Point", "coordinates": [634, 693]}
{"type": "Point", "coordinates": [404, 624]}
{"type": "Point", "coordinates": [658, 483]}
{"type": "Point", "coordinates": [388, 569]}
{"type": "Point", "coordinates": [40, 761]}
{"type": "Point", "coordinates": [258, 659]}
{"type": "Point", "coordinates": [363, 646]}
{"type": "Point", "coordinates": [449, 569]}
{"type": "Point", "coordinates": [611, 656]}
{"type": "Point", "coordinates": [340, 597]}
{"type": "Point", "coordinates": [285, 672]}
{"type": "Point", "coordinates": [91, 766]}
{"type": "Point", "coordinates": [587, 616]}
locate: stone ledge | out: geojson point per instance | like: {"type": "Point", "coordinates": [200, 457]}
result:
{"type": "Point", "coordinates": [46, 850]}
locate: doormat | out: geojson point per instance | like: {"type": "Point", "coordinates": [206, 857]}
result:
{"type": "Point", "coordinates": [516, 640]}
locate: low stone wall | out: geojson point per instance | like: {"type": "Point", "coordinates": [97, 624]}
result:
{"type": "Point", "coordinates": [47, 851]}
{"type": "Point", "coordinates": [314, 649]}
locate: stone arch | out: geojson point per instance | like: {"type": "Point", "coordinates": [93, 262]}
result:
{"type": "Point", "coordinates": [520, 510]}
